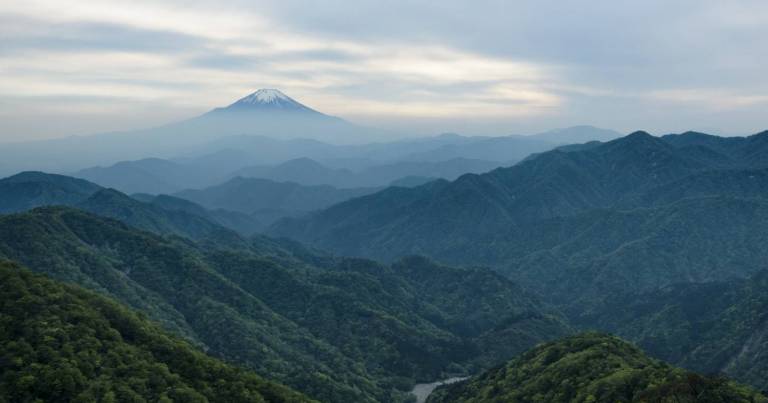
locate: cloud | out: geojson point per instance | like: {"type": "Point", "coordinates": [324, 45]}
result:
{"type": "Point", "coordinates": [710, 99]}
{"type": "Point", "coordinates": [519, 65]}
{"type": "Point", "coordinates": [79, 36]}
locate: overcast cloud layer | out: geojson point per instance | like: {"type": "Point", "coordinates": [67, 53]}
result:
{"type": "Point", "coordinates": [491, 67]}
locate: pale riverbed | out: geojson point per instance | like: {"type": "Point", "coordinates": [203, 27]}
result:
{"type": "Point", "coordinates": [423, 390]}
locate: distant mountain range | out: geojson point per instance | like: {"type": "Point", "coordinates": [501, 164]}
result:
{"type": "Point", "coordinates": [511, 149]}
{"type": "Point", "coordinates": [27, 190]}
{"type": "Point", "coordinates": [310, 162]}
{"type": "Point", "coordinates": [266, 112]}
{"type": "Point", "coordinates": [309, 172]}
{"type": "Point", "coordinates": [151, 175]}
{"type": "Point", "coordinates": [155, 176]}
{"type": "Point", "coordinates": [269, 127]}
{"type": "Point", "coordinates": [577, 135]}
{"type": "Point", "coordinates": [558, 183]}
{"type": "Point", "coordinates": [503, 149]}
{"type": "Point", "coordinates": [161, 214]}
{"type": "Point", "coordinates": [244, 205]}
{"type": "Point", "coordinates": [268, 201]}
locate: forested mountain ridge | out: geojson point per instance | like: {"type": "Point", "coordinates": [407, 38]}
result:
{"type": "Point", "coordinates": [161, 214]}
{"type": "Point", "coordinates": [714, 327]}
{"type": "Point", "coordinates": [558, 183]}
{"type": "Point", "coordinates": [173, 285]}
{"type": "Point", "coordinates": [590, 229]}
{"type": "Point", "coordinates": [154, 218]}
{"type": "Point", "coordinates": [601, 211]}
{"type": "Point", "coordinates": [743, 152]}
{"type": "Point", "coordinates": [310, 162]}
{"type": "Point", "coordinates": [592, 367]}
{"type": "Point", "coordinates": [744, 183]}
{"type": "Point", "coordinates": [281, 315]}
{"type": "Point", "coordinates": [609, 252]}
{"type": "Point", "coordinates": [309, 172]}
{"type": "Point", "coordinates": [63, 343]}
{"type": "Point", "coordinates": [243, 224]}
{"type": "Point", "coordinates": [28, 190]}
{"type": "Point", "coordinates": [148, 175]}
{"type": "Point", "coordinates": [156, 176]}
{"type": "Point", "coordinates": [268, 200]}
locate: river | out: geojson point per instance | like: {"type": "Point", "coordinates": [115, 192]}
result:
{"type": "Point", "coordinates": [423, 390]}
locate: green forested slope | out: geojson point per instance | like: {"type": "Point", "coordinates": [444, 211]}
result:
{"type": "Point", "coordinates": [590, 257]}
{"type": "Point", "coordinates": [63, 343]}
{"type": "Point", "coordinates": [161, 214]}
{"type": "Point", "coordinates": [708, 327]}
{"type": "Point", "coordinates": [243, 224]}
{"type": "Point", "coordinates": [153, 218]}
{"type": "Point", "coordinates": [418, 319]}
{"type": "Point", "coordinates": [28, 190]}
{"type": "Point", "coordinates": [171, 282]}
{"type": "Point", "coordinates": [337, 329]}
{"type": "Point", "coordinates": [592, 368]}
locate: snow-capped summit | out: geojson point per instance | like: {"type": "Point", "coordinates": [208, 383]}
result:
{"type": "Point", "coordinates": [271, 113]}
{"type": "Point", "coordinates": [268, 98]}
{"type": "Point", "coordinates": [265, 95]}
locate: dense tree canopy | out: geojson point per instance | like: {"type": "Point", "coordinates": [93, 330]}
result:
{"type": "Point", "coordinates": [590, 368]}
{"type": "Point", "coordinates": [341, 330]}
{"type": "Point", "coordinates": [63, 343]}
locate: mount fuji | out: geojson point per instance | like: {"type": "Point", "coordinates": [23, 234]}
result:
{"type": "Point", "coordinates": [270, 112]}
{"type": "Point", "coordinates": [267, 99]}
{"type": "Point", "coordinates": [266, 112]}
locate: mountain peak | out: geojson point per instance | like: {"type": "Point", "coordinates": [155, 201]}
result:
{"type": "Point", "coordinates": [271, 113]}
{"type": "Point", "coordinates": [639, 141]}
{"type": "Point", "coordinates": [268, 98]}
{"type": "Point", "coordinates": [265, 95]}
{"type": "Point", "coordinates": [640, 134]}
{"type": "Point", "coordinates": [60, 180]}
{"type": "Point", "coordinates": [637, 138]}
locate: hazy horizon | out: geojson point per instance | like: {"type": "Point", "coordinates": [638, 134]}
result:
{"type": "Point", "coordinates": [497, 68]}
{"type": "Point", "coordinates": [397, 133]}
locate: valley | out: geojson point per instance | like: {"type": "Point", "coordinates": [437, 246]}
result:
{"type": "Point", "coordinates": [423, 390]}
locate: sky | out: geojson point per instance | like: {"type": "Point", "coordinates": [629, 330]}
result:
{"type": "Point", "coordinates": [420, 67]}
